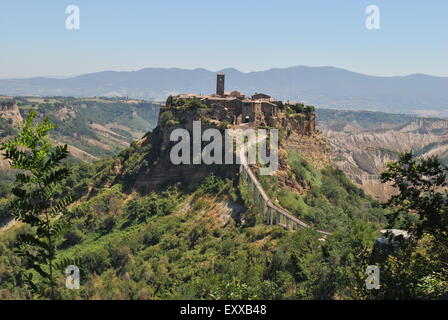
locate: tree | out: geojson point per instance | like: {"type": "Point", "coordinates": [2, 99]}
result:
{"type": "Point", "coordinates": [298, 107]}
{"type": "Point", "coordinates": [418, 269]}
{"type": "Point", "coordinates": [309, 109]}
{"type": "Point", "coordinates": [38, 199]}
{"type": "Point", "coordinates": [169, 101]}
{"type": "Point", "coordinates": [422, 185]}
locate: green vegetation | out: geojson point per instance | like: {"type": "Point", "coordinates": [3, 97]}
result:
{"type": "Point", "coordinates": [76, 121]}
{"type": "Point", "coordinates": [38, 201]}
{"type": "Point", "coordinates": [209, 243]}
{"type": "Point", "coordinates": [6, 128]}
{"type": "Point", "coordinates": [298, 109]}
{"type": "Point", "coordinates": [174, 245]}
{"type": "Point", "coordinates": [188, 104]}
{"type": "Point", "coordinates": [417, 270]}
{"type": "Point", "coordinates": [167, 119]}
{"type": "Point", "coordinates": [330, 200]}
{"type": "Point", "coordinates": [422, 184]}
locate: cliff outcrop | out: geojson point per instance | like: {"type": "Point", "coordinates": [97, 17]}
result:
{"type": "Point", "coordinates": [9, 110]}
{"type": "Point", "coordinates": [149, 158]}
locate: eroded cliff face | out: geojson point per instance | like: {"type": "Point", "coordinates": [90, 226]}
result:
{"type": "Point", "coordinates": [314, 148]}
{"type": "Point", "coordinates": [10, 111]}
{"type": "Point", "coordinates": [363, 154]}
{"type": "Point", "coordinates": [299, 124]}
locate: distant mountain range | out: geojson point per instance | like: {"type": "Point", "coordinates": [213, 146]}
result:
{"type": "Point", "coordinates": [325, 87]}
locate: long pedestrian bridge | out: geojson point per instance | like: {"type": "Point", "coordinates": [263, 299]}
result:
{"type": "Point", "coordinates": [269, 212]}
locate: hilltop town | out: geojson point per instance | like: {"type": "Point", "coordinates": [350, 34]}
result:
{"type": "Point", "coordinates": [259, 109]}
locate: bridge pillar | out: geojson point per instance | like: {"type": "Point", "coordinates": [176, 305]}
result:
{"type": "Point", "coordinates": [255, 194]}
{"type": "Point", "coordinates": [265, 210]}
{"type": "Point", "coordinates": [244, 174]}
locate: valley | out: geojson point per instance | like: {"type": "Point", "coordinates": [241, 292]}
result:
{"type": "Point", "coordinates": [92, 127]}
{"type": "Point", "coordinates": [364, 142]}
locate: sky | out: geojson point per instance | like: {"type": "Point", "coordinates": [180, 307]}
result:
{"type": "Point", "coordinates": [249, 35]}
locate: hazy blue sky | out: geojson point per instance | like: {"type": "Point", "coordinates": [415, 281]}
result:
{"type": "Point", "coordinates": [249, 35]}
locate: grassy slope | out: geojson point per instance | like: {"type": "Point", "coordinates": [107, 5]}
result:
{"type": "Point", "coordinates": [330, 201]}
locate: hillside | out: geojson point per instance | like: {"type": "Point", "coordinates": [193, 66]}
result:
{"type": "Point", "coordinates": [92, 127]}
{"type": "Point", "coordinates": [189, 246]}
{"type": "Point", "coordinates": [327, 87]}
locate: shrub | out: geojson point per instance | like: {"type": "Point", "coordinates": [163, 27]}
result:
{"type": "Point", "coordinates": [165, 117]}
{"type": "Point", "coordinates": [72, 237]}
{"type": "Point", "coordinates": [138, 210]}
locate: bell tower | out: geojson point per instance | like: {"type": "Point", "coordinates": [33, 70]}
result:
{"type": "Point", "coordinates": [220, 79]}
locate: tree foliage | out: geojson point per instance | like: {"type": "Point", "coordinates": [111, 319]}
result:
{"type": "Point", "coordinates": [422, 185]}
{"type": "Point", "coordinates": [418, 269]}
{"type": "Point", "coordinates": [38, 199]}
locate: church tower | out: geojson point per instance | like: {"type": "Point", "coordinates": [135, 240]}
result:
{"type": "Point", "coordinates": [220, 84]}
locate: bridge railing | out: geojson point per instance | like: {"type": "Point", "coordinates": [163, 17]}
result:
{"type": "Point", "coordinates": [270, 213]}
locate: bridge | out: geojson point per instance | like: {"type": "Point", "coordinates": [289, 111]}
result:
{"type": "Point", "coordinates": [269, 212]}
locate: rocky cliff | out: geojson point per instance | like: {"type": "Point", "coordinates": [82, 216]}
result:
{"type": "Point", "coordinates": [9, 110]}
{"type": "Point", "coordinates": [147, 167]}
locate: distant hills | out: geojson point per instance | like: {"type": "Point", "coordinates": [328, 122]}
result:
{"type": "Point", "coordinates": [92, 128]}
{"type": "Point", "coordinates": [325, 87]}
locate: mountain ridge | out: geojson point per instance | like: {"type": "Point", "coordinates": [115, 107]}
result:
{"type": "Point", "coordinates": [325, 87]}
